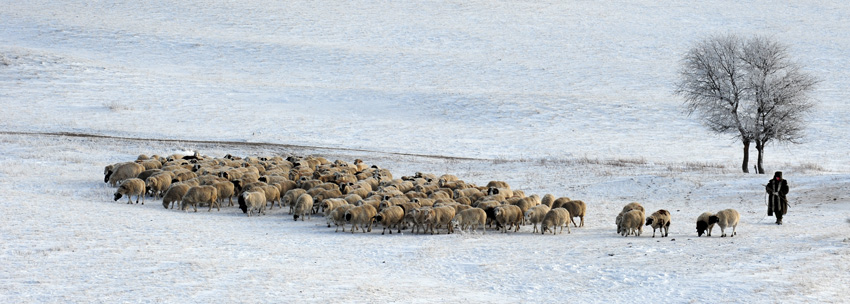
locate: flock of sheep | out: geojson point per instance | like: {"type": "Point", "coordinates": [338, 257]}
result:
{"type": "Point", "coordinates": [360, 196]}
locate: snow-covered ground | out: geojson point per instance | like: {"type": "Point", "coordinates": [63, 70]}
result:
{"type": "Point", "coordinates": [573, 99]}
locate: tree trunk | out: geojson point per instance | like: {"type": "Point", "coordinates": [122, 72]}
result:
{"type": "Point", "coordinates": [760, 148]}
{"type": "Point", "coordinates": [746, 164]}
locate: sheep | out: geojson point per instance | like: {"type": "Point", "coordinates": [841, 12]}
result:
{"type": "Point", "coordinates": [556, 217]}
{"type": "Point", "coordinates": [703, 225]}
{"type": "Point", "coordinates": [303, 207]}
{"type": "Point", "coordinates": [200, 194]}
{"type": "Point", "coordinates": [508, 216]}
{"type": "Point", "coordinates": [329, 204]}
{"type": "Point", "coordinates": [337, 216]}
{"type": "Point", "coordinates": [659, 220]}
{"type": "Point", "coordinates": [157, 184]}
{"type": "Point", "coordinates": [633, 206]}
{"type": "Point", "coordinates": [290, 197]}
{"type": "Point", "coordinates": [361, 217]}
{"type": "Point", "coordinates": [576, 208]}
{"type": "Point", "coordinates": [439, 216]}
{"type": "Point", "coordinates": [524, 204]}
{"type": "Point", "coordinates": [418, 216]}
{"type": "Point", "coordinates": [174, 194]}
{"type": "Point", "coordinates": [630, 223]}
{"type": "Point", "coordinates": [471, 218]}
{"type": "Point", "coordinates": [123, 171]}
{"type": "Point", "coordinates": [225, 189]}
{"type": "Point", "coordinates": [250, 200]}
{"type": "Point", "coordinates": [535, 215]}
{"type": "Point", "coordinates": [725, 218]}
{"type": "Point", "coordinates": [559, 202]}
{"type": "Point", "coordinates": [130, 187]}
{"type": "Point", "coordinates": [390, 217]}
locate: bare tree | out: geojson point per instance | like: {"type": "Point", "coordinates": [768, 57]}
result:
{"type": "Point", "coordinates": [747, 88]}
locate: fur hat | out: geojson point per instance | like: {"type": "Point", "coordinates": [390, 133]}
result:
{"type": "Point", "coordinates": [778, 175]}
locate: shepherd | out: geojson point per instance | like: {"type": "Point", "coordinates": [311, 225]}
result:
{"type": "Point", "coordinates": [776, 189]}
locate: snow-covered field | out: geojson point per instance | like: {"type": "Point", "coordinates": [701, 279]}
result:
{"type": "Point", "coordinates": [569, 98]}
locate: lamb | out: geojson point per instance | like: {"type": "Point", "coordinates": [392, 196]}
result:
{"type": "Point", "coordinates": [556, 217]}
{"type": "Point", "coordinates": [200, 194]}
{"type": "Point", "coordinates": [174, 194]}
{"type": "Point", "coordinates": [630, 223]}
{"type": "Point", "coordinates": [250, 200]}
{"type": "Point", "coordinates": [303, 207]}
{"type": "Point", "coordinates": [576, 208]}
{"type": "Point", "coordinates": [361, 217]}
{"type": "Point", "coordinates": [725, 218]}
{"type": "Point", "coordinates": [702, 224]}
{"type": "Point", "coordinates": [439, 216]}
{"type": "Point", "coordinates": [390, 217]}
{"type": "Point", "coordinates": [535, 215]}
{"type": "Point", "coordinates": [130, 187]}
{"type": "Point", "coordinates": [508, 216]}
{"type": "Point", "coordinates": [471, 218]}
{"type": "Point", "coordinates": [123, 171]}
{"type": "Point", "coordinates": [659, 220]}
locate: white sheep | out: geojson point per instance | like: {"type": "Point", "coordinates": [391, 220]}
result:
{"type": "Point", "coordinates": [703, 225]}
{"type": "Point", "coordinates": [631, 222]}
{"type": "Point", "coordinates": [124, 171]}
{"type": "Point", "coordinates": [157, 184]}
{"type": "Point", "coordinates": [471, 218]}
{"type": "Point", "coordinates": [440, 216]}
{"type": "Point", "coordinates": [200, 194]}
{"type": "Point", "coordinates": [130, 187]}
{"type": "Point", "coordinates": [174, 194]}
{"type": "Point", "coordinates": [290, 197]}
{"type": "Point", "coordinates": [508, 216]}
{"type": "Point", "coordinates": [361, 217]}
{"type": "Point", "coordinates": [390, 217]}
{"type": "Point", "coordinates": [659, 220]}
{"type": "Point", "coordinates": [576, 208]}
{"type": "Point", "coordinates": [535, 215]}
{"type": "Point", "coordinates": [556, 217]}
{"type": "Point", "coordinates": [337, 216]}
{"type": "Point", "coordinates": [725, 218]}
{"type": "Point", "coordinates": [303, 207]}
{"type": "Point", "coordinates": [250, 200]}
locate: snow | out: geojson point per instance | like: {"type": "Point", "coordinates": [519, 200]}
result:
{"type": "Point", "coordinates": [569, 98]}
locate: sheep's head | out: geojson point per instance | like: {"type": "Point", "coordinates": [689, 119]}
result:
{"type": "Point", "coordinates": [702, 226]}
{"type": "Point", "coordinates": [295, 216]}
{"type": "Point", "coordinates": [106, 176]}
{"type": "Point", "coordinates": [713, 219]}
{"type": "Point", "coordinates": [649, 221]}
{"type": "Point", "coordinates": [347, 216]}
{"type": "Point", "coordinates": [378, 218]}
{"type": "Point", "coordinates": [117, 196]}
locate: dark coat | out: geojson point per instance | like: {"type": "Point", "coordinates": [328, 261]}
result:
{"type": "Point", "coordinates": [777, 202]}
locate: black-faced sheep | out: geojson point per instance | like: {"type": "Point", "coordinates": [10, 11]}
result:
{"type": "Point", "coordinates": [703, 225]}
{"type": "Point", "coordinates": [390, 217]}
{"type": "Point", "coordinates": [174, 194]}
{"type": "Point", "coordinates": [508, 216]}
{"type": "Point", "coordinates": [556, 217]}
{"type": "Point", "coordinates": [200, 194]}
{"type": "Point", "coordinates": [659, 220]}
{"type": "Point", "coordinates": [130, 187]}
{"type": "Point", "coordinates": [535, 215]}
{"type": "Point", "coordinates": [725, 218]}
{"type": "Point", "coordinates": [576, 208]}
{"type": "Point", "coordinates": [250, 200]}
{"type": "Point", "coordinates": [471, 218]}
